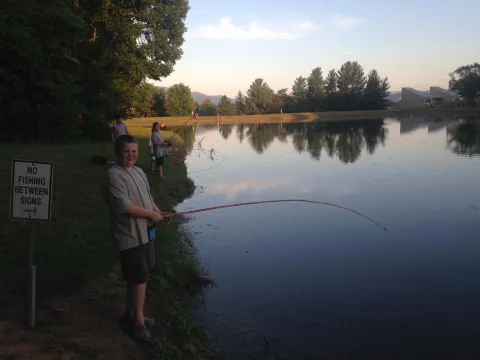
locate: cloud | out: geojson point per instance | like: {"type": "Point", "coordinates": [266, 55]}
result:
{"type": "Point", "coordinates": [345, 22]}
{"type": "Point", "coordinates": [232, 189]}
{"type": "Point", "coordinates": [226, 30]}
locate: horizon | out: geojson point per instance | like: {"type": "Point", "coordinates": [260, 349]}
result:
{"type": "Point", "coordinates": [228, 45]}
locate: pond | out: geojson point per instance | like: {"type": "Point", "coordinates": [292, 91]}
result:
{"type": "Point", "coordinates": [308, 281]}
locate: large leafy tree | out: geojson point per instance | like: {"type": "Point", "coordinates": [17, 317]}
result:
{"type": "Point", "coordinates": [466, 79]}
{"type": "Point", "coordinates": [144, 102]}
{"type": "Point", "coordinates": [67, 66]}
{"type": "Point", "coordinates": [179, 100]}
{"type": "Point", "coordinates": [207, 108]}
{"type": "Point", "coordinates": [315, 90]}
{"type": "Point", "coordinates": [39, 82]}
{"type": "Point", "coordinates": [280, 101]}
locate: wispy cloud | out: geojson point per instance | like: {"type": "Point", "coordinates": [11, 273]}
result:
{"type": "Point", "coordinates": [226, 30]}
{"type": "Point", "coordinates": [232, 189]}
{"type": "Point", "coordinates": [345, 22]}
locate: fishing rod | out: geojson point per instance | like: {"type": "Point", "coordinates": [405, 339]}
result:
{"type": "Point", "coordinates": [279, 201]}
{"type": "Point", "coordinates": [176, 131]}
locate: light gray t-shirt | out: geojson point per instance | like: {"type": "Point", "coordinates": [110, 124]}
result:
{"type": "Point", "coordinates": [158, 151]}
{"type": "Point", "coordinates": [119, 130]}
{"type": "Point", "coordinates": [123, 190]}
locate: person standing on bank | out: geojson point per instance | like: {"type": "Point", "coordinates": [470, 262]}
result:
{"type": "Point", "coordinates": [133, 214]}
{"type": "Point", "coordinates": [159, 147]}
{"type": "Point", "coordinates": [119, 128]}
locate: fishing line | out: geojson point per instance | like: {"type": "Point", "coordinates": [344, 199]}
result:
{"type": "Point", "coordinates": [279, 201]}
{"type": "Point", "coordinates": [206, 151]}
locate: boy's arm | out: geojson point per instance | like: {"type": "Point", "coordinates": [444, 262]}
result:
{"type": "Point", "coordinates": [122, 204]}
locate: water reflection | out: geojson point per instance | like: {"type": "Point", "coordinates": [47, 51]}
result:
{"type": "Point", "coordinates": [346, 140]}
{"type": "Point", "coordinates": [463, 137]}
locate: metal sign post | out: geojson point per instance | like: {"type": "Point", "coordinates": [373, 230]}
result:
{"type": "Point", "coordinates": [31, 200]}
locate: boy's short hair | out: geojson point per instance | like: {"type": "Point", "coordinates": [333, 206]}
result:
{"type": "Point", "coordinates": [121, 141]}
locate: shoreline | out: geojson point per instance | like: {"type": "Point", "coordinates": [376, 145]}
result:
{"type": "Point", "coordinates": [303, 117]}
{"type": "Point", "coordinates": [80, 288]}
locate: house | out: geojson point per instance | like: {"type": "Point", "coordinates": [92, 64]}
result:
{"type": "Point", "coordinates": [413, 99]}
{"type": "Point", "coordinates": [442, 96]}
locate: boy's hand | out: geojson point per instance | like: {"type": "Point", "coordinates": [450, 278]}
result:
{"type": "Point", "coordinates": [167, 215]}
{"type": "Point", "coordinates": [156, 217]}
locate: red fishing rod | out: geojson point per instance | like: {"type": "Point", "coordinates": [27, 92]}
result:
{"type": "Point", "coordinates": [279, 201]}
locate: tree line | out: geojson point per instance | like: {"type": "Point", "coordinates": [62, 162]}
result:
{"type": "Point", "coordinates": [67, 67]}
{"type": "Point", "coordinates": [345, 89]}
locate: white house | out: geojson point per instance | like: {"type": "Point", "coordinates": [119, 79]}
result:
{"type": "Point", "coordinates": [413, 99]}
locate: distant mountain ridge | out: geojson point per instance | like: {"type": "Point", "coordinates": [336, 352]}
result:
{"type": "Point", "coordinates": [200, 97]}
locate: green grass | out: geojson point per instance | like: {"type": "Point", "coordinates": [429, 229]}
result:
{"type": "Point", "coordinates": [274, 118]}
{"type": "Point", "coordinates": [75, 247]}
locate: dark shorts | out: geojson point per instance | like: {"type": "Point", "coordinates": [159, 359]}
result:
{"type": "Point", "coordinates": [159, 161]}
{"type": "Point", "coordinates": [137, 263]}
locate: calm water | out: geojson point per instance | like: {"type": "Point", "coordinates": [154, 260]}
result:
{"type": "Point", "coordinates": [302, 281]}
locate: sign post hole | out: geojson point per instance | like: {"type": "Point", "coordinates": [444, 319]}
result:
{"type": "Point", "coordinates": [31, 200]}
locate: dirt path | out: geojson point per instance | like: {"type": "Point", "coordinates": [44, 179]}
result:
{"type": "Point", "coordinates": [83, 326]}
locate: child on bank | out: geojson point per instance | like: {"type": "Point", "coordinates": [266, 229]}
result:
{"type": "Point", "coordinates": [159, 148]}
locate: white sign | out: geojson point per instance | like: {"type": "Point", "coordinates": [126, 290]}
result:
{"type": "Point", "coordinates": [31, 197]}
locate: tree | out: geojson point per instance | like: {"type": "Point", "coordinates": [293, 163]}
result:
{"type": "Point", "coordinates": [39, 82]}
{"type": "Point", "coordinates": [300, 93]}
{"type": "Point", "coordinates": [240, 104]}
{"type": "Point", "coordinates": [261, 95]}
{"type": "Point", "coordinates": [350, 83]}
{"type": "Point", "coordinates": [315, 91]}
{"type": "Point", "coordinates": [250, 107]}
{"type": "Point", "coordinates": [226, 107]}
{"type": "Point", "coordinates": [331, 82]}
{"type": "Point", "coordinates": [145, 99]}
{"type": "Point", "coordinates": [72, 78]}
{"type": "Point", "coordinates": [466, 79]}
{"type": "Point", "coordinates": [351, 79]}
{"type": "Point", "coordinates": [280, 100]}
{"type": "Point", "coordinates": [159, 99]}
{"type": "Point", "coordinates": [207, 108]}
{"type": "Point", "coordinates": [179, 100]}
{"type": "Point", "coordinates": [375, 92]}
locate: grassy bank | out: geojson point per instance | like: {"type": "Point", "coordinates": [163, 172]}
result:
{"type": "Point", "coordinates": [272, 118]}
{"type": "Point", "coordinates": [305, 117]}
{"type": "Point", "coordinates": [75, 251]}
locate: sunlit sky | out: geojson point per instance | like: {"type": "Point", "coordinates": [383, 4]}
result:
{"type": "Point", "coordinates": [415, 43]}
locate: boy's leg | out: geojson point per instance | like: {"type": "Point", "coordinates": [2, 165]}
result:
{"type": "Point", "coordinates": [135, 270]}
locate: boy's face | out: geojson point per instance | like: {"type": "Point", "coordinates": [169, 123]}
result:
{"type": "Point", "coordinates": [129, 155]}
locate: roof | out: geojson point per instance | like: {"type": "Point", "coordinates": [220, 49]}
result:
{"type": "Point", "coordinates": [424, 94]}
{"type": "Point", "coordinates": [446, 92]}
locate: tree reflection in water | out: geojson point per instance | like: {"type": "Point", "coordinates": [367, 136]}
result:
{"type": "Point", "coordinates": [346, 140]}
{"type": "Point", "coordinates": [463, 137]}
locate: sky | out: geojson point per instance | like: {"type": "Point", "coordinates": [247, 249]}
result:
{"type": "Point", "coordinates": [230, 43]}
